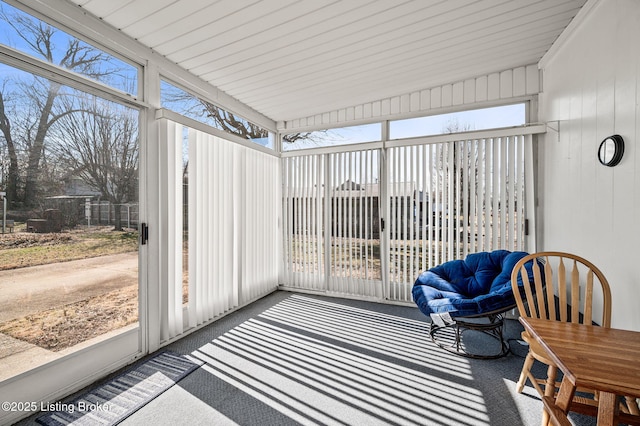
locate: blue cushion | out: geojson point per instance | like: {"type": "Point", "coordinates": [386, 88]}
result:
{"type": "Point", "coordinates": [478, 284]}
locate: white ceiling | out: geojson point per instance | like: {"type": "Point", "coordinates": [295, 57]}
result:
{"type": "Point", "coordinates": [289, 59]}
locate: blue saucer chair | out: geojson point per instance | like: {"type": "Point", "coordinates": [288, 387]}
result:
{"type": "Point", "coordinates": [469, 294]}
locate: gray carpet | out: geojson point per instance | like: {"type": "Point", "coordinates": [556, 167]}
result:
{"type": "Point", "coordinates": [292, 359]}
{"type": "Point", "coordinates": [112, 402]}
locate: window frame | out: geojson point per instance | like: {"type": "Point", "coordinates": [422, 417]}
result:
{"type": "Point", "coordinates": [60, 26]}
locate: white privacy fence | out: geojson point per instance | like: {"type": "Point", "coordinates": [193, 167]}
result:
{"type": "Point", "coordinates": [220, 226]}
{"type": "Point", "coordinates": [366, 222]}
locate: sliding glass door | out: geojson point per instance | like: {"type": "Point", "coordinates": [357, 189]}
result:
{"type": "Point", "coordinates": [452, 198]}
{"type": "Point", "coordinates": [331, 209]}
{"type": "Point", "coordinates": [352, 227]}
{"type": "Point", "coordinates": [69, 194]}
{"type": "Point", "coordinates": [367, 222]}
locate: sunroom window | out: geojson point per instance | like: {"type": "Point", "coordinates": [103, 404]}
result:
{"type": "Point", "coordinates": [69, 180]}
{"type": "Point", "coordinates": [36, 38]}
{"type": "Point", "coordinates": [332, 137]}
{"type": "Point", "coordinates": [461, 121]}
{"type": "Point", "coordinates": [184, 103]}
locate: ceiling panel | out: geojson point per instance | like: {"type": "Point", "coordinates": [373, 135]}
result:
{"type": "Point", "coordinates": [290, 59]}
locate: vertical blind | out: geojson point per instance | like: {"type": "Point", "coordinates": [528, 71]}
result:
{"type": "Point", "coordinates": [449, 199]}
{"type": "Point", "coordinates": [362, 222]}
{"type": "Point", "coordinates": [437, 200]}
{"type": "Point", "coordinates": [303, 180]}
{"type": "Point", "coordinates": [330, 211]}
{"type": "Point", "coordinates": [231, 219]}
{"type": "Point", "coordinates": [171, 225]}
{"type": "Point", "coordinates": [352, 221]}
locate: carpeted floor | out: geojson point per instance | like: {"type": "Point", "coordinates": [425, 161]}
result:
{"type": "Point", "coordinates": [116, 399]}
{"type": "Point", "coordinates": [291, 359]}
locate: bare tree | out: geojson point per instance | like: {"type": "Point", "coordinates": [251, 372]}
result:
{"type": "Point", "coordinates": [99, 143]}
{"type": "Point", "coordinates": [245, 129]}
{"type": "Point", "coordinates": [40, 40]}
{"type": "Point", "coordinates": [187, 104]}
{"type": "Point", "coordinates": [12, 153]}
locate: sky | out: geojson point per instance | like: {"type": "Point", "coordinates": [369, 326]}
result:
{"type": "Point", "coordinates": [118, 73]}
{"type": "Point", "coordinates": [479, 119]}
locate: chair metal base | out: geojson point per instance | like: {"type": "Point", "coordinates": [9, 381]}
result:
{"type": "Point", "coordinates": [490, 324]}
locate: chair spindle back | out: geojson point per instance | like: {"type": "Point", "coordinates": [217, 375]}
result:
{"type": "Point", "coordinates": [565, 288]}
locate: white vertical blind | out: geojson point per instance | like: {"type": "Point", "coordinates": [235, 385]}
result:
{"type": "Point", "coordinates": [449, 199]}
{"type": "Point", "coordinates": [303, 206]}
{"type": "Point", "coordinates": [213, 280]}
{"type": "Point", "coordinates": [170, 243]}
{"type": "Point", "coordinates": [233, 225]}
{"type": "Point", "coordinates": [331, 214]}
{"type": "Point", "coordinates": [353, 212]}
{"type": "Point", "coordinates": [443, 199]}
{"type": "Point", "coordinates": [233, 214]}
{"type": "Point", "coordinates": [258, 223]}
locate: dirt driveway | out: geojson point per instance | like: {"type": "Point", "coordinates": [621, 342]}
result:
{"type": "Point", "coordinates": [37, 288]}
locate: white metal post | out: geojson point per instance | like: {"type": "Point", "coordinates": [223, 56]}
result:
{"type": "Point", "coordinates": [383, 205]}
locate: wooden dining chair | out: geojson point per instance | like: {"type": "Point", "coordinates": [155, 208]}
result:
{"type": "Point", "coordinates": [565, 287]}
{"type": "Point", "coordinates": [557, 417]}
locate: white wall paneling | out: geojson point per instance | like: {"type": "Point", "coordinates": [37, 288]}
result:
{"type": "Point", "coordinates": [486, 90]}
{"type": "Point", "coordinates": [591, 87]}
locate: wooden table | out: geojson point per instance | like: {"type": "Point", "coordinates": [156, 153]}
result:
{"type": "Point", "coordinates": [604, 359]}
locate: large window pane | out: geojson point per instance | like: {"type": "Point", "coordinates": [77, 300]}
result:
{"type": "Point", "coordinates": [332, 137]}
{"type": "Point", "coordinates": [69, 172]}
{"type": "Point", "coordinates": [184, 103]}
{"type": "Point", "coordinates": [45, 42]}
{"type": "Point", "coordinates": [462, 121]}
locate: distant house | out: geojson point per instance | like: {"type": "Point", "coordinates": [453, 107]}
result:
{"type": "Point", "coordinates": [76, 186]}
{"type": "Point", "coordinates": [81, 204]}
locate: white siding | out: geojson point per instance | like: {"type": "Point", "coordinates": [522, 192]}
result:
{"type": "Point", "coordinates": [502, 86]}
{"type": "Point", "coordinates": [591, 87]}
